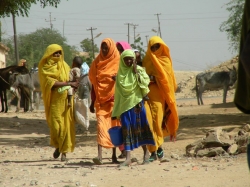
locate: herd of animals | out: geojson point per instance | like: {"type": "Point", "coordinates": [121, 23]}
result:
{"type": "Point", "coordinates": [24, 83]}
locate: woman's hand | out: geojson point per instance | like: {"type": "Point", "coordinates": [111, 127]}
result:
{"type": "Point", "coordinates": [114, 78]}
{"type": "Point", "coordinates": [92, 108]}
{"type": "Point", "coordinates": [74, 84]}
{"type": "Point", "coordinates": [134, 67]}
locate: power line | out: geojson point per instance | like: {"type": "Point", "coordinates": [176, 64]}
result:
{"type": "Point", "coordinates": [134, 26]}
{"type": "Point", "coordinates": [159, 27]}
{"type": "Point", "coordinates": [128, 29]}
{"type": "Point", "coordinates": [50, 20]}
{"type": "Point", "coordinates": [93, 47]}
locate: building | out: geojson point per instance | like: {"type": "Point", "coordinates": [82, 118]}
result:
{"type": "Point", "coordinates": [3, 52]}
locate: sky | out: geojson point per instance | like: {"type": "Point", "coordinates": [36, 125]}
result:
{"type": "Point", "coordinates": [190, 28]}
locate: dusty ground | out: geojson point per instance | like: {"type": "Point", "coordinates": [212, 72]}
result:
{"type": "Point", "coordinates": [26, 157]}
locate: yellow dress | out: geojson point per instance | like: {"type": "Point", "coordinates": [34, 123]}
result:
{"type": "Point", "coordinates": [59, 116]}
{"type": "Point", "coordinates": [161, 108]}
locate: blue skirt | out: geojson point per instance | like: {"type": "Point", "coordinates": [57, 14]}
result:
{"type": "Point", "coordinates": [135, 129]}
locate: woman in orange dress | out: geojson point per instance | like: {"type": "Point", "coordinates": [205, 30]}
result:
{"type": "Point", "coordinates": [161, 107]}
{"type": "Point", "coordinates": [102, 75]}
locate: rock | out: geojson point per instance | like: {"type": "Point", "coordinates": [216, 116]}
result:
{"type": "Point", "coordinates": [241, 140]}
{"type": "Point", "coordinates": [216, 138]}
{"type": "Point", "coordinates": [232, 149]}
{"type": "Point", "coordinates": [33, 183]}
{"type": "Point", "coordinates": [192, 148]}
{"type": "Point", "coordinates": [211, 152]}
{"type": "Point", "coordinates": [247, 127]}
{"type": "Point", "coordinates": [164, 160]}
{"type": "Point", "coordinates": [242, 149]}
{"type": "Point", "coordinates": [175, 156]}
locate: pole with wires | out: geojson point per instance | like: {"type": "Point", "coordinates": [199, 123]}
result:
{"type": "Point", "coordinates": [159, 27]}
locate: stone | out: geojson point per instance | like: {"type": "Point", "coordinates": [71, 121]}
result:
{"type": "Point", "coordinates": [232, 149]}
{"type": "Point", "coordinates": [211, 152]}
{"type": "Point", "coordinates": [247, 127]}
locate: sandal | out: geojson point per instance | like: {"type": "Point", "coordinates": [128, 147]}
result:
{"type": "Point", "coordinates": [152, 157]}
{"type": "Point", "coordinates": [97, 161]}
{"type": "Point", "coordinates": [56, 153]}
{"type": "Point", "coordinates": [115, 161]}
{"type": "Point", "coordinates": [124, 164]}
{"type": "Point", "coordinates": [160, 153]}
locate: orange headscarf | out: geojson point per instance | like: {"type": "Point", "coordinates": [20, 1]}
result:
{"type": "Point", "coordinates": [159, 64]}
{"type": "Point", "coordinates": [100, 74]}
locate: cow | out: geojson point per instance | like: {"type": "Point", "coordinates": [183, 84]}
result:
{"type": "Point", "coordinates": [4, 82]}
{"type": "Point", "coordinates": [29, 82]}
{"type": "Point", "coordinates": [214, 81]}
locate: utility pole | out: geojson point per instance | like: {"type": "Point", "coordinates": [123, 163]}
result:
{"type": "Point", "coordinates": [50, 20]}
{"type": "Point", "coordinates": [159, 28]}
{"type": "Point", "coordinates": [134, 25]}
{"type": "Point", "coordinates": [93, 47]}
{"type": "Point", "coordinates": [15, 38]}
{"type": "Point", "coordinates": [128, 28]}
{"type": "Point", "coordinates": [63, 27]}
{"type": "Point", "coordinates": [147, 39]}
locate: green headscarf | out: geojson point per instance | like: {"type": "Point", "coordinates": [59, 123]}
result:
{"type": "Point", "coordinates": [128, 90]}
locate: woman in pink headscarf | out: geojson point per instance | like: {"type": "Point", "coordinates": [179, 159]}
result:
{"type": "Point", "coordinates": [121, 46]}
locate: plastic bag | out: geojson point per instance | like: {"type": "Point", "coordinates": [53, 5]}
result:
{"type": "Point", "coordinates": [81, 112]}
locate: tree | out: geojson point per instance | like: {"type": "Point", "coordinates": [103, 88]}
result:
{"type": "Point", "coordinates": [21, 7]}
{"type": "Point", "coordinates": [139, 46]}
{"type": "Point", "coordinates": [232, 26]}
{"type": "Point", "coordinates": [33, 45]}
{"type": "Point", "coordinates": [86, 46]}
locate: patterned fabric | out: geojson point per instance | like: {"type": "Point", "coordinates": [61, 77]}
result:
{"type": "Point", "coordinates": [135, 129]}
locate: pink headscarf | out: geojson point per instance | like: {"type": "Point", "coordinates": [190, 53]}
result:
{"type": "Point", "coordinates": [125, 45]}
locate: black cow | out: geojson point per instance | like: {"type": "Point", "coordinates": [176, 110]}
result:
{"type": "Point", "coordinates": [214, 81]}
{"type": "Point", "coordinates": [4, 82]}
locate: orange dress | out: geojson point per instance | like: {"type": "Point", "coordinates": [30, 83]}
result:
{"type": "Point", "coordinates": [100, 74]}
{"type": "Point", "coordinates": [161, 108]}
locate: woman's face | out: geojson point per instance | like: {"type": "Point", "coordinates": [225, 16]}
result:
{"type": "Point", "coordinates": [105, 49]}
{"type": "Point", "coordinates": [128, 60]}
{"type": "Point", "coordinates": [155, 47]}
{"type": "Point", "coordinates": [57, 54]}
{"type": "Point", "coordinates": [119, 48]}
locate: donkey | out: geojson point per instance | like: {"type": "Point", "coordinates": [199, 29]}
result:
{"type": "Point", "coordinates": [214, 81]}
{"type": "Point", "coordinates": [4, 82]}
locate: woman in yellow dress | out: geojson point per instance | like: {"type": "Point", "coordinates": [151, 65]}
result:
{"type": "Point", "coordinates": [54, 74]}
{"type": "Point", "coordinates": [161, 107]}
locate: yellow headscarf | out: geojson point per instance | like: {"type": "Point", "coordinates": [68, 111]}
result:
{"type": "Point", "coordinates": [159, 64]}
{"type": "Point", "coordinates": [51, 69]}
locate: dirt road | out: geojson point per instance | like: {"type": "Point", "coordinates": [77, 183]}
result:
{"type": "Point", "coordinates": [26, 157]}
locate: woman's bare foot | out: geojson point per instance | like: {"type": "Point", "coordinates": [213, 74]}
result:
{"type": "Point", "coordinates": [125, 163]}
{"type": "Point", "coordinates": [63, 157]}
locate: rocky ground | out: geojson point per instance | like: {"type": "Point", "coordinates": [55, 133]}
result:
{"type": "Point", "coordinates": [26, 157]}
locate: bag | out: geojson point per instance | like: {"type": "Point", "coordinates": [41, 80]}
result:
{"type": "Point", "coordinates": [81, 112]}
